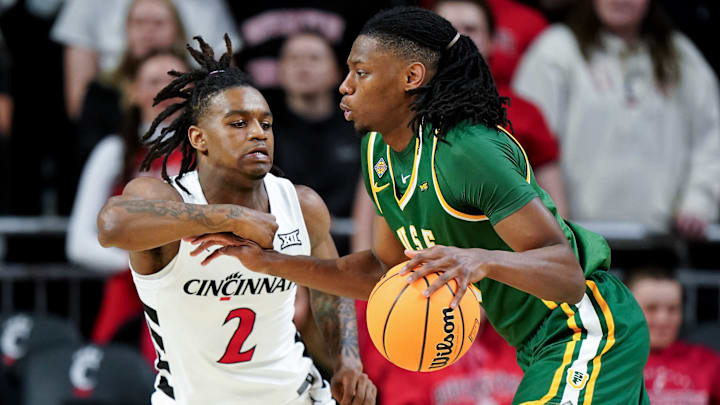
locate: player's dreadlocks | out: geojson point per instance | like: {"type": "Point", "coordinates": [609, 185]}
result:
{"type": "Point", "coordinates": [196, 88]}
{"type": "Point", "coordinates": [462, 87]}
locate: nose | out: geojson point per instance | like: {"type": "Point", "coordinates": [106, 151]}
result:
{"type": "Point", "coordinates": [346, 86]}
{"type": "Point", "coordinates": [256, 131]}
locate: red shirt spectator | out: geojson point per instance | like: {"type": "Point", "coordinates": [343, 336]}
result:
{"type": "Point", "coordinates": [683, 373]}
{"type": "Point", "coordinates": [530, 129]}
{"type": "Point", "coordinates": [516, 26]}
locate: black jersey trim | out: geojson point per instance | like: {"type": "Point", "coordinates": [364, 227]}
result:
{"type": "Point", "coordinates": [165, 387]}
{"type": "Point", "coordinates": [151, 313]}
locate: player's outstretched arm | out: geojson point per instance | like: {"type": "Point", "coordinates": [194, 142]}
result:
{"type": "Point", "coordinates": [542, 264]}
{"type": "Point", "coordinates": [335, 316]}
{"type": "Point", "coordinates": [150, 213]}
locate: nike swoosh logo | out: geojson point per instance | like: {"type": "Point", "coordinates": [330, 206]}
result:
{"type": "Point", "coordinates": [404, 178]}
{"type": "Point", "coordinates": [379, 189]}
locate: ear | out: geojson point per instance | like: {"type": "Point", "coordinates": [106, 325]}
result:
{"type": "Point", "coordinates": [415, 75]}
{"type": "Point", "coordinates": [197, 138]}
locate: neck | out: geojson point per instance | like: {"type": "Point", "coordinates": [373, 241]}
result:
{"type": "Point", "coordinates": [314, 107]}
{"type": "Point", "coordinates": [223, 186]}
{"type": "Point", "coordinates": [628, 34]}
{"type": "Point", "coordinates": [399, 136]}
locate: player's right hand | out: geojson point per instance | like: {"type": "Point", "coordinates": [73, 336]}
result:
{"type": "Point", "coordinates": [253, 225]}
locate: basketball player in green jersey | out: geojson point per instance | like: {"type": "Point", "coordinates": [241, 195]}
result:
{"type": "Point", "coordinates": [456, 194]}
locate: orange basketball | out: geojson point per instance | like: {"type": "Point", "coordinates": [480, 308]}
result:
{"type": "Point", "coordinates": [421, 333]}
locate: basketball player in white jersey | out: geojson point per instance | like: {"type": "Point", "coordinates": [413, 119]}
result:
{"type": "Point", "coordinates": [224, 334]}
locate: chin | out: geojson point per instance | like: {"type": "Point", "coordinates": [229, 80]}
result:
{"type": "Point", "coordinates": [362, 129]}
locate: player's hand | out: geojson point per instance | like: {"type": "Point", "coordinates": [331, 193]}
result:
{"type": "Point", "coordinates": [254, 225]}
{"type": "Point", "coordinates": [252, 255]}
{"type": "Point", "coordinates": [464, 265]}
{"type": "Point", "coordinates": [350, 386]}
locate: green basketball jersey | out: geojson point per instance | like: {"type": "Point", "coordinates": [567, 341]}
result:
{"type": "Point", "coordinates": [452, 191]}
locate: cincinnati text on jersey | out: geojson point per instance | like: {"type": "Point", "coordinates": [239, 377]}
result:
{"type": "Point", "coordinates": [234, 284]}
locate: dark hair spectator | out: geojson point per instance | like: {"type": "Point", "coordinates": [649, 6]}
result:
{"type": "Point", "coordinates": [635, 107]}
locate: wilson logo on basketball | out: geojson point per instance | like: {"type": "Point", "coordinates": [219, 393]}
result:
{"type": "Point", "coordinates": [445, 347]}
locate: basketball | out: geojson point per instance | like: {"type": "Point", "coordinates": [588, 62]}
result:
{"type": "Point", "coordinates": [421, 333]}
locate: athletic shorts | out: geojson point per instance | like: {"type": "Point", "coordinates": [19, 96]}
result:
{"type": "Point", "coordinates": [590, 353]}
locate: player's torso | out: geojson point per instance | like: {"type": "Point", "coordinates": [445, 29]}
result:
{"type": "Point", "coordinates": [224, 332]}
{"type": "Point", "coordinates": [420, 216]}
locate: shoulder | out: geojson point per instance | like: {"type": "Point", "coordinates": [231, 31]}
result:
{"type": "Point", "coordinates": [466, 142]}
{"type": "Point", "coordinates": [556, 43]}
{"type": "Point", "coordinates": [314, 210]}
{"type": "Point", "coordinates": [694, 68]}
{"type": "Point", "coordinates": [150, 188]}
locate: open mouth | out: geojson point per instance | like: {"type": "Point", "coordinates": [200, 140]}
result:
{"type": "Point", "coordinates": [259, 152]}
{"type": "Point", "coordinates": [346, 111]}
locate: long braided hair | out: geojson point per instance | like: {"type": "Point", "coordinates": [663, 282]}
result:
{"type": "Point", "coordinates": [196, 89]}
{"type": "Point", "coordinates": [462, 87]}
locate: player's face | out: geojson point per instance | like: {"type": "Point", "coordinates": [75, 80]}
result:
{"type": "Point", "coordinates": [468, 19]}
{"type": "Point", "coordinates": [621, 15]}
{"type": "Point", "coordinates": [661, 302]}
{"type": "Point", "coordinates": [237, 132]}
{"type": "Point", "coordinates": [373, 94]}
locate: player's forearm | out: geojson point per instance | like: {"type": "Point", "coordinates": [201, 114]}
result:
{"type": "Point", "coordinates": [551, 273]}
{"type": "Point", "coordinates": [136, 225]}
{"type": "Point", "coordinates": [335, 317]}
{"type": "Point", "coordinates": [351, 276]}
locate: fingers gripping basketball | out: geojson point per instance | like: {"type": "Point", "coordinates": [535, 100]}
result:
{"type": "Point", "coordinates": [420, 333]}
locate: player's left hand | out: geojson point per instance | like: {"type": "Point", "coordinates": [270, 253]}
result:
{"type": "Point", "coordinates": [350, 386]}
{"type": "Point", "coordinates": [464, 265]}
{"type": "Point", "coordinates": [252, 255]}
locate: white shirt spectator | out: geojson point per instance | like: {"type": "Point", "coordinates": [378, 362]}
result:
{"type": "Point", "coordinates": [100, 26]}
{"type": "Point", "coordinates": [99, 177]}
{"type": "Point", "coordinates": [631, 150]}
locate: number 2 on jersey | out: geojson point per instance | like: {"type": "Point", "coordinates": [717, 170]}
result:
{"type": "Point", "coordinates": [247, 322]}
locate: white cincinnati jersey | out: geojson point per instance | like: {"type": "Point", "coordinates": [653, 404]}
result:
{"type": "Point", "coordinates": [224, 334]}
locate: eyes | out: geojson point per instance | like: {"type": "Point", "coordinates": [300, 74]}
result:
{"type": "Point", "coordinates": [265, 125]}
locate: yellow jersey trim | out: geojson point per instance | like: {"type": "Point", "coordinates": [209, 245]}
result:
{"type": "Point", "coordinates": [450, 210]}
{"type": "Point", "coordinates": [610, 322]}
{"type": "Point", "coordinates": [567, 357]}
{"type": "Point", "coordinates": [527, 162]}
{"type": "Point", "coordinates": [402, 202]}
{"type": "Point", "coordinates": [374, 189]}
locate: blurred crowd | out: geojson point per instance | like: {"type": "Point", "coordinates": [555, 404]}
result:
{"type": "Point", "coordinates": [616, 103]}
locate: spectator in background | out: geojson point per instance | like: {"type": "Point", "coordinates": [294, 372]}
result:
{"type": "Point", "coordinates": [474, 19]}
{"type": "Point", "coordinates": [265, 25]}
{"type": "Point", "coordinates": [113, 162]}
{"type": "Point", "coordinates": [93, 33]}
{"type": "Point", "coordinates": [515, 27]}
{"type": "Point", "coordinates": [314, 144]}
{"type": "Point", "coordinates": [635, 107]}
{"type": "Point", "coordinates": [676, 372]}
{"type": "Point", "coordinates": [150, 25]}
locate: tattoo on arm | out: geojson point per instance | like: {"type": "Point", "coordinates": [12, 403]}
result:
{"type": "Point", "coordinates": [336, 319]}
{"type": "Point", "coordinates": [178, 210]}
